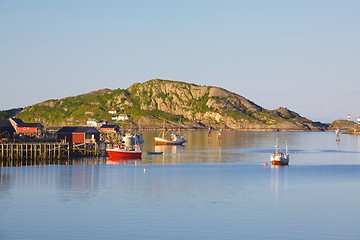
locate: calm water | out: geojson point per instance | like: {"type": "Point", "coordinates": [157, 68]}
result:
{"type": "Point", "coordinates": [204, 190]}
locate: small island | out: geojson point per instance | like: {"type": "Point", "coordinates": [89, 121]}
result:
{"type": "Point", "coordinates": [147, 105]}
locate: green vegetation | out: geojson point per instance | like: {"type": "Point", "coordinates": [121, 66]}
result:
{"type": "Point", "coordinates": [9, 113]}
{"type": "Point", "coordinates": [199, 105]}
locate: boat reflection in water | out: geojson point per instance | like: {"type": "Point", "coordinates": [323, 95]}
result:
{"type": "Point", "coordinates": [165, 154]}
{"type": "Point", "coordinates": [123, 160]}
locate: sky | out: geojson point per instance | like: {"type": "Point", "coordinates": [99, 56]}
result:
{"type": "Point", "coordinates": [303, 55]}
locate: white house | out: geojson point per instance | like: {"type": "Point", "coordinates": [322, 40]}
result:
{"type": "Point", "coordinates": [112, 111]}
{"type": "Point", "coordinates": [95, 123]}
{"type": "Point", "coordinates": [120, 117]}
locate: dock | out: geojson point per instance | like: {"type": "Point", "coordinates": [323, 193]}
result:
{"type": "Point", "coordinates": [47, 151]}
{"type": "Point", "coordinates": [34, 150]}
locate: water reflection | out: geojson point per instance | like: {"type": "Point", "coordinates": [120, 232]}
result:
{"type": "Point", "coordinates": [71, 181]}
{"type": "Point", "coordinates": [279, 181]}
{"type": "Point", "coordinates": [89, 199]}
{"type": "Point", "coordinates": [358, 147]}
{"type": "Point", "coordinates": [170, 154]}
{"type": "Point", "coordinates": [114, 161]}
{"type": "Point", "coordinates": [170, 150]}
{"type": "Point", "coordinates": [5, 182]}
{"type": "Point", "coordinates": [31, 162]}
{"type": "Point", "coordinates": [235, 147]}
{"type": "Point", "coordinates": [77, 182]}
{"type": "Point", "coordinates": [86, 160]}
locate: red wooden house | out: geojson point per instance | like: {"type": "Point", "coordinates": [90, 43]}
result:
{"type": "Point", "coordinates": [109, 128]}
{"type": "Point", "coordinates": [78, 135]}
{"type": "Point", "coordinates": [26, 128]}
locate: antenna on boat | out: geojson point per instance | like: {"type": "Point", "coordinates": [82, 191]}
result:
{"type": "Point", "coordinates": [179, 128]}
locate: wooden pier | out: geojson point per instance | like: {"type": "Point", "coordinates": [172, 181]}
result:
{"type": "Point", "coordinates": [88, 149]}
{"type": "Point", "coordinates": [34, 150]}
{"type": "Point", "coordinates": [40, 153]}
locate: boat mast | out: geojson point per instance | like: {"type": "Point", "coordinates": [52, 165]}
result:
{"type": "Point", "coordinates": [163, 131]}
{"type": "Point", "coordinates": [179, 129]}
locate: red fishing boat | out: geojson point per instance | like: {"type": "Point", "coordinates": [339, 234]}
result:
{"type": "Point", "coordinates": [125, 152]}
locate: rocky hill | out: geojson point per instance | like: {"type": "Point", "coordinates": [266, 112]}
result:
{"type": "Point", "coordinates": [345, 126]}
{"type": "Point", "coordinates": [151, 103]}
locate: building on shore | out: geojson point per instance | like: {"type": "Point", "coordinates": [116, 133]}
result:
{"type": "Point", "coordinates": [78, 135]}
{"type": "Point", "coordinates": [120, 117]}
{"type": "Point", "coordinates": [7, 131]}
{"type": "Point", "coordinates": [110, 128]}
{"type": "Point", "coordinates": [31, 129]}
{"type": "Point", "coordinates": [95, 123]}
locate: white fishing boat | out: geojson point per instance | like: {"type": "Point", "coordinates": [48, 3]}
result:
{"type": "Point", "coordinates": [337, 132]}
{"type": "Point", "coordinates": [278, 157]}
{"type": "Point", "coordinates": [175, 139]}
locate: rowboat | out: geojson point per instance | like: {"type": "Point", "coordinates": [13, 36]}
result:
{"type": "Point", "coordinates": [154, 153]}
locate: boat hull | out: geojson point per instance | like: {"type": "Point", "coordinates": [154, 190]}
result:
{"type": "Point", "coordinates": [154, 153]}
{"type": "Point", "coordinates": [279, 159]}
{"type": "Point", "coordinates": [122, 160]}
{"type": "Point", "coordinates": [126, 154]}
{"type": "Point", "coordinates": [279, 163]}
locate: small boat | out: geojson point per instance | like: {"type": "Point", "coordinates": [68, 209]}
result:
{"type": "Point", "coordinates": [279, 158]}
{"type": "Point", "coordinates": [154, 153]}
{"type": "Point", "coordinates": [175, 139]}
{"type": "Point", "coordinates": [122, 151]}
{"type": "Point", "coordinates": [337, 132]}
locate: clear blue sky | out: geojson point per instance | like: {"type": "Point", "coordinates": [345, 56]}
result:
{"type": "Point", "coordinates": [303, 54]}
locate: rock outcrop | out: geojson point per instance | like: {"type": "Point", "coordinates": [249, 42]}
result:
{"type": "Point", "coordinates": [214, 106]}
